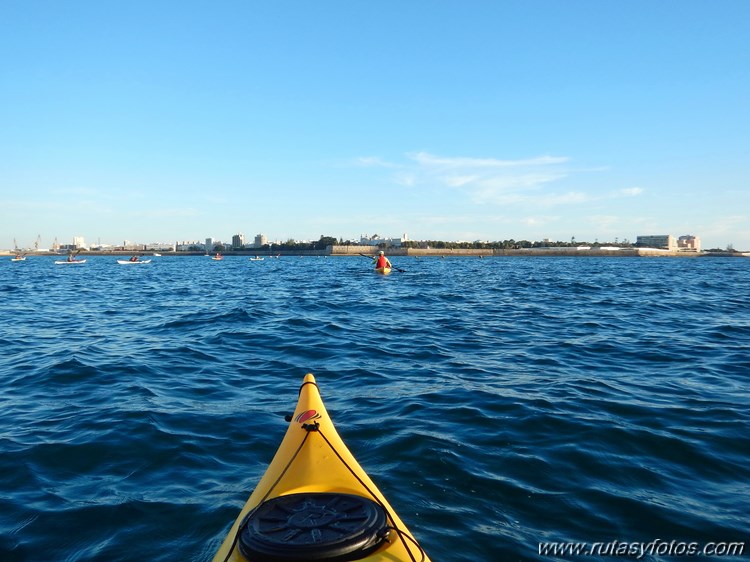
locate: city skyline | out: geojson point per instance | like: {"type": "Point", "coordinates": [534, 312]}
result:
{"type": "Point", "coordinates": [240, 241]}
{"type": "Point", "coordinates": [480, 121]}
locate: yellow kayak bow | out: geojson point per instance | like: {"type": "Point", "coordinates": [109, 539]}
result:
{"type": "Point", "coordinates": [315, 502]}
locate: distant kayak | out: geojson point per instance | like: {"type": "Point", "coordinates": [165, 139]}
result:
{"type": "Point", "coordinates": [383, 270]}
{"type": "Point", "coordinates": [315, 502]}
{"type": "Point", "coordinates": [66, 262]}
{"type": "Point", "coordinates": [128, 262]}
{"type": "Point", "coordinates": [18, 259]}
{"type": "Point", "coordinates": [257, 259]}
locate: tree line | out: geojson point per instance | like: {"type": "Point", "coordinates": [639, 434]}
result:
{"type": "Point", "coordinates": [510, 244]}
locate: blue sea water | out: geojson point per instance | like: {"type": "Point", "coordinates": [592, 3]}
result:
{"type": "Point", "coordinates": [498, 403]}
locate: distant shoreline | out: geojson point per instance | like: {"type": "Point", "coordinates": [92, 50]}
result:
{"type": "Point", "coordinates": [336, 251]}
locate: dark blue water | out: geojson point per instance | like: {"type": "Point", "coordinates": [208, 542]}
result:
{"type": "Point", "coordinates": [496, 402]}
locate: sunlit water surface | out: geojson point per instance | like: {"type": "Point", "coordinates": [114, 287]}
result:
{"type": "Point", "coordinates": [496, 402]}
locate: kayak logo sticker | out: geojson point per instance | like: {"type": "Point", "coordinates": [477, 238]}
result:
{"type": "Point", "coordinates": [307, 416]}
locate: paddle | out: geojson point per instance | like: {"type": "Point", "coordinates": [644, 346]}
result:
{"type": "Point", "coordinates": [392, 266]}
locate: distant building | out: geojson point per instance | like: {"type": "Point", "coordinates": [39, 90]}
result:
{"type": "Point", "coordinates": [260, 241]}
{"type": "Point", "coordinates": [689, 243]}
{"type": "Point", "coordinates": [130, 246]}
{"type": "Point", "coordinates": [661, 241]}
{"type": "Point", "coordinates": [376, 240]}
{"type": "Point", "coordinates": [188, 246]}
{"type": "Point", "coordinates": [79, 243]}
{"type": "Point", "coordinates": [238, 241]}
{"type": "Point", "coordinates": [160, 247]}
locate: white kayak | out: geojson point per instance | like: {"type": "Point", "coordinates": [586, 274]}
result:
{"type": "Point", "coordinates": [128, 262]}
{"type": "Point", "coordinates": [66, 262]}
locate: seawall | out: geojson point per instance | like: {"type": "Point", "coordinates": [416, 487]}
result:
{"type": "Point", "coordinates": [539, 252]}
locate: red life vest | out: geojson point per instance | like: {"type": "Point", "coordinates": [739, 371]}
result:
{"type": "Point", "coordinates": [382, 262]}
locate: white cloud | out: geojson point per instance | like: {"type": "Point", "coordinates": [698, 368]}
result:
{"type": "Point", "coordinates": [427, 159]}
{"type": "Point", "coordinates": [406, 179]}
{"type": "Point", "coordinates": [458, 181]}
{"type": "Point", "coordinates": [492, 180]}
{"type": "Point", "coordinates": [631, 191]}
{"type": "Point", "coordinates": [523, 181]}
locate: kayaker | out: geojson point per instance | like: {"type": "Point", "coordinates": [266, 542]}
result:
{"type": "Point", "coordinates": [134, 258]}
{"type": "Point", "coordinates": [382, 261]}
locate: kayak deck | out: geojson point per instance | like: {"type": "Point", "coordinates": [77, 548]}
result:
{"type": "Point", "coordinates": [315, 502]}
{"type": "Point", "coordinates": [383, 270]}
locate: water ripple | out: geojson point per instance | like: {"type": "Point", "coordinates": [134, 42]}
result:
{"type": "Point", "coordinates": [496, 402]}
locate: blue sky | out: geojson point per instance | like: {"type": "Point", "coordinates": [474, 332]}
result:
{"type": "Point", "coordinates": [473, 120]}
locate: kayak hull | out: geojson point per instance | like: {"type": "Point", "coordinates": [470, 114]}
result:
{"type": "Point", "coordinates": [313, 462]}
{"type": "Point", "coordinates": [128, 262]}
{"type": "Point", "coordinates": [74, 262]}
{"type": "Point", "coordinates": [383, 270]}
